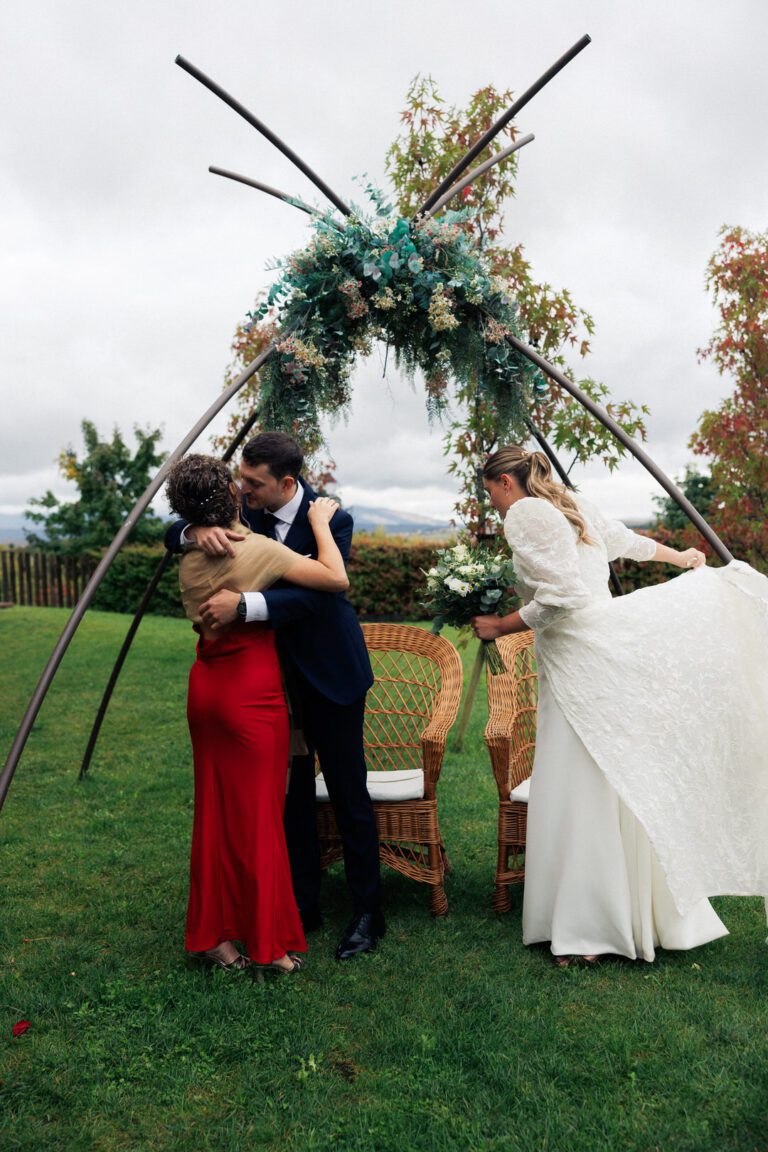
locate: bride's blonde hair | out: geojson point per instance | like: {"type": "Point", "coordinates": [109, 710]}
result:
{"type": "Point", "coordinates": [533, 473]}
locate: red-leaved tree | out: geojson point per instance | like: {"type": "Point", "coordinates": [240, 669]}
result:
{"type": "Point", "coordinates": [735, 435]}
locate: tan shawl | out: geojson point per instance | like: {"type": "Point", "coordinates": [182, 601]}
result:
{"type": "Point", "coordinates": [257, 563]}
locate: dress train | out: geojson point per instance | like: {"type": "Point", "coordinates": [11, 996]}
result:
{"type": "Point", "coordinates": [593, 882]}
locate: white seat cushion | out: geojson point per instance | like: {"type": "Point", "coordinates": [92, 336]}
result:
{"type": "Point", "coordinates": [406, 784]}
{"type": "Point", "coordinates": [520, 794]}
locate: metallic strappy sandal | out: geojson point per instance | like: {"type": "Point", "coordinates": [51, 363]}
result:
{"type": "Point", "coordinates": [239, 964]}
{"type": "Point", "coordinates": [281, 969]}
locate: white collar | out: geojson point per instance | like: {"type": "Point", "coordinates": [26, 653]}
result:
{"type": "Point", "coordinates": [287, 514]}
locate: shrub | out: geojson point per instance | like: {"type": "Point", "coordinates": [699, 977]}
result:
{"type": "Point", "coordinates": [386, 576]}
{"type": "Point", "coordinates": [386, 579]}
{"type": "Point", "coordinates": [124, 584]}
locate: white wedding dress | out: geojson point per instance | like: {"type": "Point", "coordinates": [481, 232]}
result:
{"type": "Point", "coordinates": [649, 790]}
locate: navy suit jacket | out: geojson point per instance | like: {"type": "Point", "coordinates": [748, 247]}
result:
{"type": "Point", "coordinates": [317, 631]}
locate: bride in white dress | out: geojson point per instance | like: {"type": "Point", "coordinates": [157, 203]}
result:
{"type": "Point", "coordinates": [649, 790]}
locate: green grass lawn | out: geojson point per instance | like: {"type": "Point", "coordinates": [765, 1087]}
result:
{"type": "Point", "coordinates": [453, 1036]}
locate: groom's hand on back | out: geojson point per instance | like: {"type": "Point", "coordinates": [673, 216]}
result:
{"type": "Point", "coordinates": [213, 541]}
{"type": "Point", "coordinates": [220, 609]}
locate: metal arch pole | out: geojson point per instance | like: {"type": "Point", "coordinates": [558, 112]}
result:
{"type": "Point", "coordinates": [481, 168]}
{"type": "Point", "coordinates": [608, 422]}
{"type": "Point", "coordinates": [162, 568]}
{"type": "Point", "coordinates": [502, 122]}
{"type": "Point", "coordinates": [241, 110]}
{"type": "Point", "coordinates": [294, 200]}
{"type": "Point", "coordinates": [149, 592]}
{"type": "Point", "coordinates": [549, 452]}
{"type": "Point", "coordinates": [103, 567]}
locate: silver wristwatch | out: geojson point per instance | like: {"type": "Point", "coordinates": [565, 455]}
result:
{"type": "Point", "coordinates": [242, 608]}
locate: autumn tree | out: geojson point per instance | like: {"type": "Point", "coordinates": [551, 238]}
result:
{"type": "Point", "coordinates": [109, 479]}
{"type": "Point", "coordinates": [734, 436]}
{"type": "Point", "coordinates": [434, 138]}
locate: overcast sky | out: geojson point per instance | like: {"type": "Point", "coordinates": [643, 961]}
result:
{"type": "Point", "coordinates": [127, 266]}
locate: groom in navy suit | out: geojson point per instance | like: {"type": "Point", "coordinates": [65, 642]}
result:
{"type": "Point", "coordinates": [323, 653]}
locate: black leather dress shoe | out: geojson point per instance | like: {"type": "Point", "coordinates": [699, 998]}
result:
{"type": "Point", "coordinates": [311, 919]}
{"type": "Point", "coordinates": [361, 935]}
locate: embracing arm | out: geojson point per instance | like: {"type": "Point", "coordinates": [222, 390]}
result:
{"type": "Point", "coordinates": [316, 579]}
{"type": "Point", "coordinates": [292, 605]}
{"type": "Point", "coordinates": [212, 541]}
{"type": "Point", "coordinates": [173, 535]}
{"type": "Point", "coordinates": [327, 573]}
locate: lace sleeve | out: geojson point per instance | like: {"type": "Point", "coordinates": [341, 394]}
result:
{"type": "Point", "coordinates": [544, 548]}
{"type": "Point", "coordinates": [619, 540]}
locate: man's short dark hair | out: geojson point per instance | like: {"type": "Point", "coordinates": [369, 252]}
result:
{"type": "Point", "coordinates": [279, 452]}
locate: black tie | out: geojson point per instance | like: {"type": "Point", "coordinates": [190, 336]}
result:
{"type": "Point", "coordinates": [270, 523]}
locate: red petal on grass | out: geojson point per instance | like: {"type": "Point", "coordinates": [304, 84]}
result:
{"type": "Point", "coordinates": [20, 1028]}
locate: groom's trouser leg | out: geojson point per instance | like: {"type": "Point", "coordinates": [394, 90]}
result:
{"type": "Point", "coordinates": [336, 731]}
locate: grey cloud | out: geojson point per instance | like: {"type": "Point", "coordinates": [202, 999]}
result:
{"type": "Point", "coordinates": [128, 266]}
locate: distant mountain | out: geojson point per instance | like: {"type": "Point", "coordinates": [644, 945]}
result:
{"type": "Point", "coordinates": [11, 531]}
{"type": "Point", "coordinates": [397, 523]}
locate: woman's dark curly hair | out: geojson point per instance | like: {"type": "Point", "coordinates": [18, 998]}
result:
{"type": "Point", "coordinates": [198, 491]}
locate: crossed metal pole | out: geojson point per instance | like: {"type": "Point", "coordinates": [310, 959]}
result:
{"type": "Point", "coordinates": [450, 186]}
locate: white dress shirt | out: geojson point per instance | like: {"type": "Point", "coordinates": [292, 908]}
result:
{"type": "Point", "coordinates": [255, 604]}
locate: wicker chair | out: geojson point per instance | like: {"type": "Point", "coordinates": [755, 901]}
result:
{"type": "Point", "coordinates": [511, 738]}
{"type": "Point", "coordinates": [409, 711]}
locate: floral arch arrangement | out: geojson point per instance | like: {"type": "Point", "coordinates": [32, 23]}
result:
{"type": "Point", "coordinates": [421, 286]}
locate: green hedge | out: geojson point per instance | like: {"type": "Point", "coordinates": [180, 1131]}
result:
{"type": "Point", "coordinates": [386, 578]}
{"type": "Point", "coordinates": [385, 575]}
{"type": "Point", "coordinates": [124, 585]}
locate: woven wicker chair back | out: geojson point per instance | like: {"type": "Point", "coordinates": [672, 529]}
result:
{"type": "Point", "coordinates": [512, 699]}
{"type": "Point", "coordinates": [412, 669]}
{"type": "Point", "coordinates": [511, 738]}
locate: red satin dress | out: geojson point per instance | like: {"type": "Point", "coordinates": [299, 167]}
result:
{"type": "Point", "coordinates": [240, 878]}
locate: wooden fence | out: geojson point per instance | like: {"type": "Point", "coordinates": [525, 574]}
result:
{"type": "Point", "coordinates": [42, 579]}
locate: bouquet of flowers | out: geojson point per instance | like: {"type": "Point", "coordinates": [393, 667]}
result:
{"type": "Point", "coordinates": [467, 581]}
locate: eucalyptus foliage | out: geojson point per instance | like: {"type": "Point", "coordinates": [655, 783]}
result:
{"type": "Point", "coordinates": [425, 288]}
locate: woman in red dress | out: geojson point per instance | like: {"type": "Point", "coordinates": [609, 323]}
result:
{"type": "Point", "coordinates": [240, 879]}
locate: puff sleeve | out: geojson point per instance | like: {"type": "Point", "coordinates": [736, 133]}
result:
{"type": "Point", "coordinates": [543, 544]}
{"type": "Point", "coordinates": [620, 541]}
